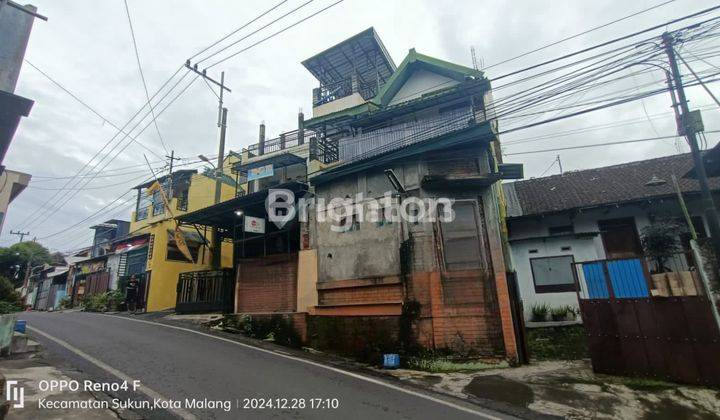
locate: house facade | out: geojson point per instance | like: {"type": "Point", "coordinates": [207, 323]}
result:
{"type": "Point", "coordinates": [595, 214]}
{"type": "Point", "coordinates": [422, 127]}
{"type": "Point", "coordinates": [156, 258]}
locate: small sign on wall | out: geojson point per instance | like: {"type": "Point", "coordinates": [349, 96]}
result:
{"type": "Point", "coordinates": [254, 224]}
{"type": "Point", "coordinates": [260, 172]}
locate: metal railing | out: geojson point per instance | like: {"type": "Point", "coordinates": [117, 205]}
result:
{"type": "Point", "coordinates": [396, 136]}
{"type": "Point", "coordinates": [285, 141]}
{"type": "Point", "coordinates": [205, 291]}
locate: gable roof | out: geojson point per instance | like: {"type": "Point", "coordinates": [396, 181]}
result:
{"type": "Point", "coordinates": [414, 61]}
{"type": "Point", "coordinates": [609, 185]}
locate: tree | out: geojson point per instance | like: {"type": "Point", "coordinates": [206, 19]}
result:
{"type": "Point", "coordinates": [15, 259]}
{"type": "Point", "coordinates": [660, 241]}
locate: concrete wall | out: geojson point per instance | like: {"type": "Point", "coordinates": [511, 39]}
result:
{"type": "Point", "coordinates": [528, 234]}
{"type": "Point", "coordinates": [14, 182]}
{"type": "Point", "coordinates": [338, 105]}
{"type": "Point", "coordinates": [15, 26]}
{"type": "Point", "coordinates": [421, 82]}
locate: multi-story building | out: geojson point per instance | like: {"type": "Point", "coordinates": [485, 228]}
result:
{"type": "Point", "coordinates": [411, 134]}
{"type": "Point", "coordinates": [156, 258]}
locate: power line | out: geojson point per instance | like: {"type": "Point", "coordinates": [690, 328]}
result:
{"type": "Point", "coordinates": [612, 41]}
{"type": "Point", "coordinates": [83, 103]}
{"type": "Point", "coordinates": [276, 33]}
{"type": "Point", "coordinates": [243, 26]}
{"type": "Point", "coordinates": [142, 75]}
{"type": "Point", "coordinates": [256, 31]}
{"type": "Point", "coordinates": [54, 209]}
{"type": "Point", "coordinates": [612, 143]}
{"type": "Point", "coordinates": [578, 35]}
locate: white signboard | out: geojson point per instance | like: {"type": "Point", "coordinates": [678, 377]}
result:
{"type": "Point", "coordinates": [254, 224]}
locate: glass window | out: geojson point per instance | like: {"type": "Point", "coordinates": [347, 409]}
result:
{"type": "Point", "coordinates": [553, 274]}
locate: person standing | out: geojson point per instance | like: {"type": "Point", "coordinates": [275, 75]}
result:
{"type": "Point", "coordinates": [131, 293]}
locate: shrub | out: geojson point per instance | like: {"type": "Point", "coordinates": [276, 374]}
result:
{"type": "Point", "coordinates": [8, 293]}
{"type": "Point", "coordinates": [8, 308]}
{"type": "Point", "coordinates": [659, 241]}
{"type": "Point", "coordinates": [66, 302]}
{"type": "Point", "coordinates": [540, 312]}
{"type": "Point", "coordinates": [103, 302]}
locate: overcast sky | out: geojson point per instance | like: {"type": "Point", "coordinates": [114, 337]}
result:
{"type": "Point", "coordinates": [86, 46]}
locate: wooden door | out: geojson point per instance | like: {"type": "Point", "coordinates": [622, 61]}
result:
{"type": "Point", "coordinates": [620, 238]}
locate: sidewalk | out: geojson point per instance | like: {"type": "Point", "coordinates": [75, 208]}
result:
{"type": "Point", "coordinates": [29, 372]}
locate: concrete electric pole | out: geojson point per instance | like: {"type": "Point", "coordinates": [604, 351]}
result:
{"type": "Point", "coordinates": [222, 124]}
{"type": "Point", "coordinates": [690, 132]}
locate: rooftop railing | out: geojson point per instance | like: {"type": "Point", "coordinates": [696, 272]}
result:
{"type": "Point", "coordinates": [285, 141]}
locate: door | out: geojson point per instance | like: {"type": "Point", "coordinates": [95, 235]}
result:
{"type": "Point", "coordinates": [620, 238]}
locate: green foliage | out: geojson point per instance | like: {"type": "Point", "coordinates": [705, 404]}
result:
{"type": "Point", "coordinates": [659, 241]}
{"type": "Point", "coordinates": [14, 259]}
{"type": "Point", "coordinates": [103, 302]}
{"type": "Point", "coordinates": [540, 312]}
{"type": "Point", "coordinates": [563, 313]}
{"type": "Point", "coordinates": [558, 343]}
{"type": "Point", "coordinates": [66, 302]}
{"type": "Point", "coordinates": [8, 293]}
{"type": "Point", "coordinates": [8, 308]}
{"type": "Point", "coordinates": [445, 365]}
{"type": "Point", "coordinates": [276, 328]}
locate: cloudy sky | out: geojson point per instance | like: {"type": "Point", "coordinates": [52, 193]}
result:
{"type": "Point", "coordinates": [87, 47]}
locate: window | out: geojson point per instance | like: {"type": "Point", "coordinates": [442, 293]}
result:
{"type": "Point", "coordinates": [461, 238]}
{"type": "Point", "coordinates": [174, 253]}
{"type": "Point", "coordinates": [553, 274]}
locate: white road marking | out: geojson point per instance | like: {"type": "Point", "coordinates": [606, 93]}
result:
{"type": "Point", "coordinates": [111, 370]}
{"type": "Point", "coordinates": [331, 368]}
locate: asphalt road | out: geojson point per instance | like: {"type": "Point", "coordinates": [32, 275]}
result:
{"type": "Point", "coordinates": [178, 364]}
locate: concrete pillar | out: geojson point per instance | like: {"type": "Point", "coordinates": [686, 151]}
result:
{"type": "Point", "coordinates": [301, 128]}
{"type": "Point", "coordinates": [15, 26]}
{"type": "Point", "coordinates": [261, 141]}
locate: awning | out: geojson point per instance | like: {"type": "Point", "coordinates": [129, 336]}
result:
{"type": "Point", "coordinates": [277, 160]}
{"type": "Point", "coordinates": [363, 53]}
{"type": "Point", "coordinates": [129, 248]}
{"type": "Point", "coordinates": [222, 215]}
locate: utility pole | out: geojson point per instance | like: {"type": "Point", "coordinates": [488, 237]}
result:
{"type": "Point", "coordinates": [559, 164]}
{"type": "Point", "coordinates": [172, 159]}
{"type": "Point", "coordinates": [708, 206]}
{"type": "Point", "coordinates": [21, 234]}
{"type": "Point", "coordinates": [222, 124]}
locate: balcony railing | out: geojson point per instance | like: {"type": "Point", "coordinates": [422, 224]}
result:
{"type": "Point", "coordinates": [285, 141]}
{"type": "Point", "coordinates": [341, 89]}
{"type": "Point", "coordinates": [396, 136]}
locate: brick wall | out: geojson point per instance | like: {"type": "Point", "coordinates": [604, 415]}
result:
{"type": "Point", "coordinates": [458, 311]}
{"type": "Point", "coordinates": [361, 295]}
{"type": "Point", "coordinates": [267, 284]}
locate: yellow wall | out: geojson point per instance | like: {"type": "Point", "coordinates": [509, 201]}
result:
{"type": "Point", "coordinates": [163, 272]}
{"type": "Point", "coordinates": [307, 296]}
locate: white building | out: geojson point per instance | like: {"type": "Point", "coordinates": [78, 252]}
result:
{"type": "Point", "coordinates": [589, 215]}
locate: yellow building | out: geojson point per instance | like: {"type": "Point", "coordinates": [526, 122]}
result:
{"type": "Point", "coordinates": [187, 191]}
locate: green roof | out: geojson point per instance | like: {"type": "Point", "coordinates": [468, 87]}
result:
{"type": "Point", "coordinates": [412, 62]}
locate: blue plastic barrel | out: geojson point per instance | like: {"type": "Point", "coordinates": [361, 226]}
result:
{"type": "Point", "coordinates": [391, 361]}
{"type": "Point", "coordinates": [20, 326]}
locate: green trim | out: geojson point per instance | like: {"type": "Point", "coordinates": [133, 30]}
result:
{"type": "Point", "coordinates": [343, 113]}
{"type": "Point", "coordinates": [415, 61]}
{"type": "Point", "coordinates": [479, 132]}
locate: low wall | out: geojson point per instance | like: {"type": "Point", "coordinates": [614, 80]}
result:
{"type": "Point", "coordinates": [7, 326]}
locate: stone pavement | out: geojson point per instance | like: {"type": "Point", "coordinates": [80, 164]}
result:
{"type": "Point", "coordinates": [29, 372]}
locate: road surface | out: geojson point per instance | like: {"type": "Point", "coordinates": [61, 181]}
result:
{"type": "Point", "coordinates": [177, 364]}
